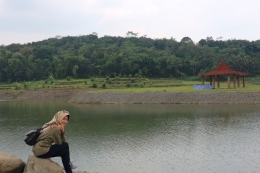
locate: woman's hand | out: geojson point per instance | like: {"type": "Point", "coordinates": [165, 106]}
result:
{"type": "Point", "coordinates": [61, 128]}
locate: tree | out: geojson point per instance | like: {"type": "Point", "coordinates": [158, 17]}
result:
{"type": "Point", "coordinates": [74, 71]}
{"type": "Point", "coordinates": [186, 40]}
{"type": "Point", "coordinates": [131, 34]}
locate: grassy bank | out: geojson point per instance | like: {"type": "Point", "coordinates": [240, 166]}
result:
{"type": "Point", "coordinates": [125, 85]}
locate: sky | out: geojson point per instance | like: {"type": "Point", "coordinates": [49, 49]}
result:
{"type": "Point", "coordinates": [26, 21]}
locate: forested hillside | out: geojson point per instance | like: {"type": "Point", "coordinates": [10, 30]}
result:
{"type": "Point", "coordinates": [92, 56]}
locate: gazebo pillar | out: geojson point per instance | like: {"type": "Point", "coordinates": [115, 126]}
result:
{"type": "Point", "coordinates": [203, 80]}
{"type": "Point", "coordinates": [213, 80]}
{"type": "Point", "coordinates": [238, 81]}
{"type": "Point", "coordinates": [218, 80]}
{"type": "Point", "coordinates": [210, 80]}
{"type": "Point", "coordinates": [244, 84]}
{"type": "Point", "coordinates": [234, 80]}
{"type": "Point", "coordinates": [228, 81]}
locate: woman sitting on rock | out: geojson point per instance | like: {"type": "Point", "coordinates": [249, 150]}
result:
{"type": "Point", "coordinates": [53, 132]}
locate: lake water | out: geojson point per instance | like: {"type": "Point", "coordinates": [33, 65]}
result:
{"type": "Point", "coordinates": [143, 138]}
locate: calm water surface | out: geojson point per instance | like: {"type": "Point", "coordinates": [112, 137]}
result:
{"type": "Point", "coordinates": [143, 138]}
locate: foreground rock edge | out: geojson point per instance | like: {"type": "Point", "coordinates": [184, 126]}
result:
{"type": "Point", "coordinates": [10, 163]}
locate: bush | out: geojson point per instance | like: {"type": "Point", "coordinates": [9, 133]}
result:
{"type": "Point", "coordinates": [128, 84]}
{"type": "Point", "coordinates": [141, 84]}
{"type": "Point", "coordinates": [17, 86]}
{"type": "Point", "coordinates": [92, 79]}
{"type": "Point", "coordinates": [68, 78]}
{"type": "Point", "coordinates": [24, 85]}
{"type": "Point", "coordinates": [94, 85]}
{"type": "Point", "coordinates": [107, 78]}
{"type": "Point", "coordinates": [86, 82]}
{"type": "Point", "coordinates": [104, 85]}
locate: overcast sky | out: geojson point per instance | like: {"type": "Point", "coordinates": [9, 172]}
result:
{"type": "Point", "coordinates": [24, 21]}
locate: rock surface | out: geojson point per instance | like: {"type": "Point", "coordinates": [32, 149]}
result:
{"type": "Point", "coordinates": [240, 97]}
{"type": "Point", "coordinates": [81, 96]}
{"type": "Point", "coordinates": [37, 165]}
{"type": "Point", "coordinates": [10, 163]}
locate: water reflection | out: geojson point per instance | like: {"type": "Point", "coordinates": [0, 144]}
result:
{"type": "Point", "coordinates": [143, 138]}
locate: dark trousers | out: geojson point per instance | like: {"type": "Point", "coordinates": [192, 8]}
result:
{"type": "Point", "coordinates": [60, 151]}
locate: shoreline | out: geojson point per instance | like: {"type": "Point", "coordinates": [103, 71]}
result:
{"type": "Point", "coordinates": [236, 97]}
{"type": "Point", "coordinates": [83, 97]}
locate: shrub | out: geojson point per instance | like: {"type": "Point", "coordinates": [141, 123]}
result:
{"type": "Point", "coordinates": [17, 86]}
{"type": "Point", "coordinates": [94, 85]}
{"type": "Point", "coordinates": [128, 84]}
{"type": "Point", "coordinates": [24, 85]}
{"type": "Point", "coordinates": [107, 78]}
{"type": "Point", "coordinates": [15, 95]}
{"type": "Point", "coordinates": [104, 85]}
{"type": "Point", "coordinates": [92, 79]}
{"type": "Point", "coordinates": [68, 78]}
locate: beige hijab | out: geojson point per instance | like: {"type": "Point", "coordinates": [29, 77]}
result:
{"type": "Point", "coordinates": [58, 118]}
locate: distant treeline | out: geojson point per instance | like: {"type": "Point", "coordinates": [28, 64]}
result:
{"type": "Point", "coordinates": [92, 56]}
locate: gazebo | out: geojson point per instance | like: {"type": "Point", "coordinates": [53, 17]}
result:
{"type": "Point", "coordinates": [224, 69]}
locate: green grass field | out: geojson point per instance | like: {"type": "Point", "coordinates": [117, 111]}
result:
{"type": "Point", "coordinates": [126, 85]}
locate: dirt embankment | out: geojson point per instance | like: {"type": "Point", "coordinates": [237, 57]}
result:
{"type": "Point", "coordinates": [83, 97]}
{"type": "Point", "coordinates": [27, 94]}
{"type": "Point", "coordinates": [167, 98]}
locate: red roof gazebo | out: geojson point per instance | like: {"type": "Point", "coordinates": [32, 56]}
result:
{"type": "Point", "coordinates": [224, 69]}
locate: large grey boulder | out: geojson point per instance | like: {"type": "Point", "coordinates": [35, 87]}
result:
{"type": "Point", "coordinates": [10, 163]}
{"type": "Point", "coordinates": [37, 165]}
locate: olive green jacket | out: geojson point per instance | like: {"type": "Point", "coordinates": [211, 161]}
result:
{"type": "Point", "coordinates": [46, 139]}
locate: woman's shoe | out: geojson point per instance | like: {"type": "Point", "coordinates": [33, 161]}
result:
{"type": "Point", "coordinates": [73, 166]}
